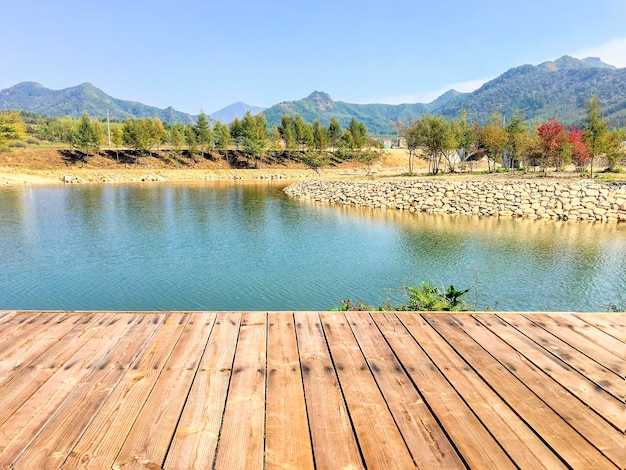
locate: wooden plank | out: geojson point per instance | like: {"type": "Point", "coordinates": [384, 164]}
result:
{"type": "Point", "coordinates": [512, 433]}
{"type": "Point", "coordinates": [605, 404]}
{"type": "Point", "coordinates": [598, 353]}
{"type": "Point", "coordinates": [608, 342]}
{"type": "Point", "coordinates": [102, 440]}
{"type": "Point", "coordinates": [332, 437]}
{"type": "Point", "coordinates": [5, 317]}
{"type": "Point", "coordinates": [241, 442]}
{"type": "Point", "coordinates": [51, 447]}
{"type": "Point", "coordinates": [425, 439]}
{"type": "Point", "coordinates": [151, 434]}
{"type": "Point", "coordinates": [552, 411]}
{"type": "Point", "coordinates": [29, 347]}
{"type": "Point", "coordinates": [287, 438]}
{"type": "Point", "coordinates": [27, 380]}
{"type": "Point", "coordinates": [24, 332]}
{"type": "Point", "coordinates": [23, 426]}
{"type": "Point", "coordinates": [568, 346]}
{"type": "Point", "coordinates": [195, 442]}
{"type": "Point", "coordinates": [378, 436]}
{"type": "Point", "coordinates": [613, 324]}
{"type": "Point", "coordinates": [469, 435]}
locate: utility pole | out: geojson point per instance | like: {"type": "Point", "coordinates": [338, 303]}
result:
{"type": "Point", "coordinates": [108, 128]}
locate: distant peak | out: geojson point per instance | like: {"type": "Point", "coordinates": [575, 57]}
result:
{"type": "Point", "coordinates": [319, 96]}
{"type": "Point", "coordinates": [322, 100]}
{"type": "Point", "coordinates": [597, 62]}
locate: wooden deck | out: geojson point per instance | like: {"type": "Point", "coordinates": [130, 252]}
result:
{"type": "Point", "coordinates": [310, 390]}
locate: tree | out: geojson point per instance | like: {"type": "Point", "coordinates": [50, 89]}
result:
{"type": "Point", "coordinates": [253, 130]}
{"type": "Point", "coordinates": [580, 152]}
{"type": "Point", "coordinates": [409, 131]}
{"type": "Point", "coordinates": [368, 157]}
{"type": "Point", "coordinates": [315, 160]}
{"type": "Point", "coordinates": [159, 132]}
{"type": "Point", "coordinates": [288, 133]}
{"type": "Point", "coordinates": [135, 135]}
{"type": "Point", "coordinates": [358, 132]}
{"type": "Point", "coordinates": [517, 140]}
{"type": "Point", "coordinates": [554, 143]}
{"type": "Point", "coordinates": [117, 139]}
{"type": "Point", "coordinates": [465, 137]}
{"type": "Point", "coordinates": [595, 130]}
{"type": "Point", "coordinates": [435, 135]}
{"type": "Point", "coordinates": [321, 137]}
{"type": "Point", "coordinates": [203, 132]}
{"type": "Point", "coordinates": [334, 133]}
{"type": "Point", "coordinates": [87, 136]}
{"type": "Point", "coordinates": [177, 137]}
{"type": "Point", "coordinates": [11, 126]}
{"type": "Point", "coordinates": [615, 151]}
{"type": "Point", "coordinates": [191, 140]}
{"type": "Point", "coordinates": [304, 133]}
{"type": "Point", "coordinates": [222, 137]}
{"type": "Point", "coordinates": [236, 131]}
{"type": "Point", "coordinates": [494, 139]}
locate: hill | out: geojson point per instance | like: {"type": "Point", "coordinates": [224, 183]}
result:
{"type": "Point", "coordinates": [239, 109]}
{"type": "Point", "coordinates": [35, 98]}
{"type": "Point", "coordinates": [557, 88]}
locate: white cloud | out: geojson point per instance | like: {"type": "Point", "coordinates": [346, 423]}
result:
{"type": "Point", "coordinates": [611, 52]}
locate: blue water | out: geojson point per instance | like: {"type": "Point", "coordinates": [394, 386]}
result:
{"type": "Point", "coordinates": [247, 246]}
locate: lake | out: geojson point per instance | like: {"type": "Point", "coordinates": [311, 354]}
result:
{"type": "Point", "coordinates": [247, 246]}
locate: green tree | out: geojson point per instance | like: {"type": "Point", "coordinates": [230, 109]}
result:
{"type": "Point", "coordinates": [615, 151]}
{"type": "Point", "coordinates": [288, 133]}
{"type": "Point", "coordinates": [321, 137]}
{"type": "Point", "coordinates": [595, 130]}
{"type": "Point", "coordinates": [236, 131]}
{"type": "Point", "coordinates": [315, 160]}
{"type": "Point", "coordinates": [253, 131]}
{"type": "Point", "coordinates": [434, 134]}
{"type": "Point", "coordinates": [117, 139]}
{"type": "Point", "coordinates": [334, 133]}
{"type": "Point", "coordinates": [177, 137]}
{"type": "Point", "coordinates": [203, 132]}
{"type": "Point", "coordinates": [87, 137]}
{"type": "Point", "coordinates": [159, 133]}
{"type": "Point", "coordinates": [304, 133]}
{"type": "Point", "coordinates": [359, 133]}
{"type": "Point", "coordinates": [517, 139]}
{"type": "Point", "coordinates": [11, 126]}
{"type": "Point", "coordinates": [191, 140]}
{"type": "Point", "coordinates": [465, 137]}
{"type": "Point", "coordinates": [222, 137]}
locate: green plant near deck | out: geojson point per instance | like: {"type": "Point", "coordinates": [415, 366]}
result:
{"type": "Point", "coordinates": [426, 297]}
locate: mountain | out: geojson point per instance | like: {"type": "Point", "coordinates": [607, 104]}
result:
{"type": "Point", "coordinates": [239, 109]}
{"type": "Point", "coordinates": [35, 98]}
{"type": "Point", "coordinates": [557, 88]}
{"type": "Point", "coordinates": [378, 118]}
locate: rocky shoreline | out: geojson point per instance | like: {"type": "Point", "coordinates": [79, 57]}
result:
{"type": "Point", "coordinates": [581, 200]}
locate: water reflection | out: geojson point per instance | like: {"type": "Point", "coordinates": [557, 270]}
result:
{"type": "Point", "coordinates": [225, 246]}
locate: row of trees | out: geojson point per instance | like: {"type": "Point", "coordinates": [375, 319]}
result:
{"type": "Point", "coordinates": [549, 144]}
{"type": "Point", "coordinates": [294, 138]}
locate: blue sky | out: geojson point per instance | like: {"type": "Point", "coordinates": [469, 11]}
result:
{"type": "Point", "coordinates": [204, 55]}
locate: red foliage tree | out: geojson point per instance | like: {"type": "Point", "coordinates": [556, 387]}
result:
{"type": "Point", "coordinates": [580, 152]}
{"type": "Point", "coordinates": [554, 138]}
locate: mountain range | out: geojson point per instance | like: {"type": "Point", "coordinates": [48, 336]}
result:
{"type": "Point", "coordinates": [557, 88]}
{"type": "Point", "coordinates": [35, 98]}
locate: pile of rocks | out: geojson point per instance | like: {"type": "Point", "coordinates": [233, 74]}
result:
{"type": "Point", "coordinates": [582, 200]}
